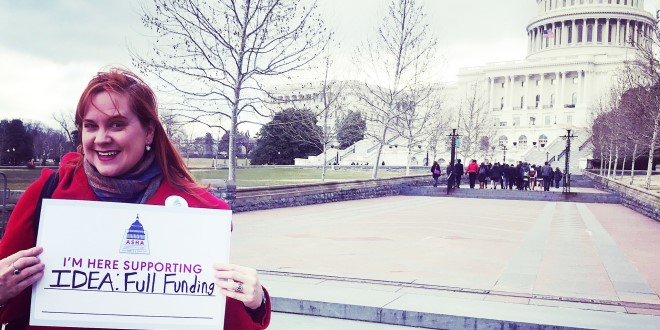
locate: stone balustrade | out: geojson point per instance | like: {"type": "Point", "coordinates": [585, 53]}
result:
{"type": "Point", "coordinates": [641, 200]}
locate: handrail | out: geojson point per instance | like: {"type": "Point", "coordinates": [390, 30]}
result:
{"type": "Point", "coordinates": [384, 144]}
{"type": "Point", "coordinates": [584, 144]}
{"type": "Point", "coordinates": [561, 154]}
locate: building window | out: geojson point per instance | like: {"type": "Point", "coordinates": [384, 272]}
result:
{"type": "Point", "coordinates": [522, 83]}
{"type": "Point", "coordinates": [543, 140]}
{"type": "Point", "coordinates": [569, 119]}
{"type": "Point", "coordinates": [502, 123]}
{"type": "Point", "coordinates": [547, 120]}
{"type": "Point", "coordinates": [574, 98]}
{"type": "Point", "coordinates": [503, 140]}
{"type": "Point", "coordinates": [538, 100]}
{"type": "Point", "coordinates": [532, 121]}
{"type": "Point", "coordinates": [552, 100]}
{"type": "Point", "coordinates": [516, 121]}
{"type": "Point", "coordinates": [522, 141]}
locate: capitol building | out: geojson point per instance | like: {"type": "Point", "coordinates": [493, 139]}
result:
{"type": "Point", "coordinates": [574, 50]}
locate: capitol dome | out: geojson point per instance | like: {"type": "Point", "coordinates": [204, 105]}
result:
{"type": "Point", "coordinates": [586, 27]}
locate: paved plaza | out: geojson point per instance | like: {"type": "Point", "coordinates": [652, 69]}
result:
{"type": "Point", "coordinates": [574, 265]}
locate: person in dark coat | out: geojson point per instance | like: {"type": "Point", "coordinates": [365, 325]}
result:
{"type": "Point", "coordinates": [547, 174]}
{"type": "Point", "coordinates": [482, 174]}
{"type": "Point", "coordinates": [435, 172]}
{"type": "Point", "coordinates": [458, 173]}
{"type": "Point", "coordinates": [496, 175]}
{"type": "Point", "coordinates": [505, 176]}
{"type": "Point", "coordinates": [558, 175]}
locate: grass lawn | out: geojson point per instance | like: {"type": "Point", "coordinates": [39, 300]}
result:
{"type": "Point", "coordinates": [20, 178]}
{"type": "Point", "coordinates": [256, 177]}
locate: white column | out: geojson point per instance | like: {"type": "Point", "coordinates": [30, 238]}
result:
{"type": "Point", "coordinates": [556, 90]}
{"type": "Point", "coordinates": [586, 86]}
{"type": "Point", "coordinates": [492, 89]}
{"type": "Point", "coordinates": [513, 87]}
{"type": "Point", "coordinates": [602, 31]}
{"type": "Point", "coordinates": [573, 33]}
{"type": "Point", "coordinates": [562, 92]}
{"type": "Point", "coordinates": [579, 88]}
{"type": "Point", "coordinates": [506, 92]}
{"type": "Point", "coordinates": [541, 91]}
{"type": "Point", "coordinates": [526, 95]}
{"type": "Point", "coordinates": [607, 32]}
{"type": "Point", "coordinates": [616, 37]}
{"type": "Point", "coordinates": [584, 31]}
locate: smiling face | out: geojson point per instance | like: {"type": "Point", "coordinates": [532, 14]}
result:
{"type": "Point", "coordinates": [113, 138]}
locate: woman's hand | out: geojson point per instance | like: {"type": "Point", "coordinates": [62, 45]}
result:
{"type": "Point", "coordinates": [240, 283]}
{"type": "Point", "coordinates": [19, 271]}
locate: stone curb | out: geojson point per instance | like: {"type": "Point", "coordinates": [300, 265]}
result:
{"type": "Point", "coordinates": [552, 196]}
{"type": "Point", "coordinates": [399, 317]}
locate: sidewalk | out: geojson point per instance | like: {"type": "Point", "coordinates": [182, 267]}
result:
{"type": "Point", "coordinates": [458, 263]}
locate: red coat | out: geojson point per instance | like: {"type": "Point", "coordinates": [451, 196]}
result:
{"type": "Point", "coordinates": [73, 185]}
{"type": "Point", "coordinates": [472, 167]}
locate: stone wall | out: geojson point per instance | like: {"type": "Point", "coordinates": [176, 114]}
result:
{"type": "Point", "coordinates": [262, 198]}
{"type": "Point", "coordinates": [641, 200]}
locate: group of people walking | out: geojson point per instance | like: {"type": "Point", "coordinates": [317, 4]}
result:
{"type": "Point", "coordinates": [522, 176]}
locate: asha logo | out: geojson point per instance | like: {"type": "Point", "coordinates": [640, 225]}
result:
{"type": "Point", "coordinates": [136, 240]}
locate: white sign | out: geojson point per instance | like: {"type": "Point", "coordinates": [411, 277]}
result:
{"type": "Point", "coordinates": [129, 266]}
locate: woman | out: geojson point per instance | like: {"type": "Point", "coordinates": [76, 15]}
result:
{"type": "Point", "coordinates": [435, 172]}
{"type": "Point", "coordinates": [124, 156]}
{"type": "Point", "coordinates": [471, 171]}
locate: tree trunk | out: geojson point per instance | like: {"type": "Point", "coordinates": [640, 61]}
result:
{"type": "Point", "coordinates": [325, 161]}
{"type": "Point", "coordinates": [649, 169]}
{"type": "Point", "coordinates": [408, 159]}
{"type": "Point", "coordinates": [602, 160]}
{"type": "Point", "coordinates": [609, 162]}
{"type": "Point", "coordinates": [374, 174]}
{"type": "Point", "coordinates": [623, 168]}
{"type": "Point", "coordinates": [632, 166]}
{"type": "Point", "coordinates": [616, 161]}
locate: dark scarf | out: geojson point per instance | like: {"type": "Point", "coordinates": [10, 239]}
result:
{"type": "Point", "coordinates": [135, 187]}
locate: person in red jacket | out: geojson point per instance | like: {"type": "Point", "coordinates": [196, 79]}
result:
{"type": "Point", "coordinates": [471, 171]}
{"type": "Point", "coordinates": [124, 156]}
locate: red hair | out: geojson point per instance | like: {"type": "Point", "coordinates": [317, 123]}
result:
{"type": "Point", "coordinates": [142, 101]}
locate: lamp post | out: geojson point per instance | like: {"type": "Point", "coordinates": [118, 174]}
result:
{"type": "Point", "coordinates": [567, 153]}
{"type": "Point", "coordinates": [504, 149]}
{"type": "Point", "coordinates": [450, 177]}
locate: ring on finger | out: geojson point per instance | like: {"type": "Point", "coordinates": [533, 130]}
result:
{"type": "Point", "coordinates": [239, 287]}
{"type": "Point", "coordinates": [16, 270]}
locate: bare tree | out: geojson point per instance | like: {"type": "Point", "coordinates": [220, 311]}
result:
{"type": "Point", "coordinates": [475, 123]}
{"type": "Point", "coordinates": [414, 118]}
{"type": "Point", "coordinates": [393, 65]}
{"type": "Point", "coordinates": [217, 54]}
{"type": "Point", "coordinates": [644, 74]}
{"type": "Point", "coordinates": [68, 124]}
{"type": "Point", "coordinates": [325, 104]}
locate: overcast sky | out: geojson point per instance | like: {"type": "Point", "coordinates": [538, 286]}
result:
{"type": "Point", "coordinates": [50, 49]}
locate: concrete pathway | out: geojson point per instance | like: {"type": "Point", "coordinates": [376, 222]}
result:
{"type": "Point", "coordinates": [456, 262]}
